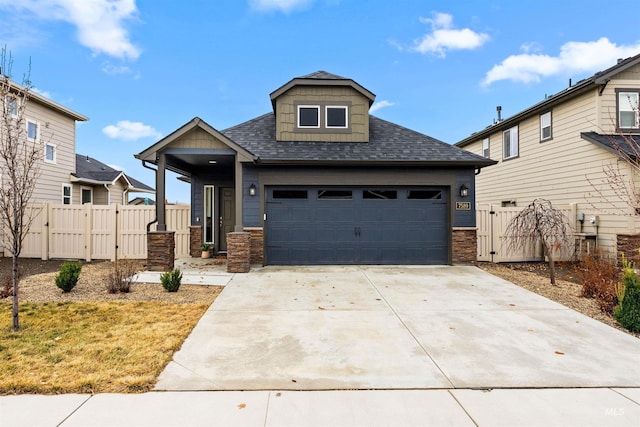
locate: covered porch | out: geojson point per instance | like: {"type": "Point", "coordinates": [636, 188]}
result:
{"type": "Point", "coordinates": [213, 166]}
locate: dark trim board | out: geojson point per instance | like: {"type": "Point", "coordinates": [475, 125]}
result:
{"type": "Point", "coordinates": [316, 225]}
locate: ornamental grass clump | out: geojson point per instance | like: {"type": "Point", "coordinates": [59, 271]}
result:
{"type": "Point", "coordinates": [69, 274]}
{"type": "Point", "coordinates": [171, 280]}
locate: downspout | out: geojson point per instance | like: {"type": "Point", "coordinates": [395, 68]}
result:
{"type": "Point", "coordinates": [478, 171]}
{"type": "Point", "coordinates": [106, 187]}
{"type": "Point", "coordinates": [144, 165]}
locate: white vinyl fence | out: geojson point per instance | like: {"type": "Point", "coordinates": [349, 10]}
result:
{"type": "Point", "coordinates": [492, 223]}
{"type": "Point", "coordinates": [99, 231]}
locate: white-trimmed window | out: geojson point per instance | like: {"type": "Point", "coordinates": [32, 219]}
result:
{"type": "Point", "coordinates": [336, 116]}
{"type": "Point", "coordinates": [86, 195]}
{"type": "Point", "coordinates": [66, 194]}
{"type": "Point", "coordinates": [628, 110]}
{"type": "Point", "coordinates": [33, 131]}
{"type": "Point", "coordinates": [545, 126]}
{"type": "Point", "coordinates": [510, 143]}
{"type": "Point", "coordinates": [485, 148]}
{"type": "Point", "coordinates": [50, 153]}
{"type": "Point", "coordinates": [11, 105]}
{"type": "Point", "coordinates": [309, 116]}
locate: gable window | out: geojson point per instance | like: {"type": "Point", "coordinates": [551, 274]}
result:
{"type": "Point", "coordinates": [628, 110]}
{"type": "Point", "coordinates": [66, 194]}
{"type": "Point", "coordinates": [510, 143]}
{"type": "Point", "coordinates": [33, 131]}
{"type": "Point", "coordinates": [545, 126]}
{"type": "Point", "coordinates": [308, 116]}
{"type": "Point", "coordinates": [336, 117]}
{"type": "Point", "coordinates": [86, 195]}
{"type": "Point", "coordinates": [50, 153]}
{"type": "Point", "coordinates": [485, 148]}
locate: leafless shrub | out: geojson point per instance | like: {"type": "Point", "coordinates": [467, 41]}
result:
{"type": "Point", "coordinates": [121, 277]}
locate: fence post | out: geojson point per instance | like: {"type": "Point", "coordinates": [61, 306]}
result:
{"type": "Point", "coordinates": [44, 232]}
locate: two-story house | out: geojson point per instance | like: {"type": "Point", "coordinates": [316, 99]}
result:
{"type": "Point", "coordinates": [321, 181]}
{"type": "Point", "coordinates": [564, 149]}
{"type": "Point", "coordinates": [65, 177]}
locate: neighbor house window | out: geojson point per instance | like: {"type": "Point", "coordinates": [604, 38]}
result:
{"type": "Point", "coordinates": [33, 131]}
{"type": "Point", "coordinates": [12, 105]}
{"type": "Point", "coordinates": [485, 148]}
{"type": "Point", "coordinates": [510, 143]}
{"type": "Point", "coordinates": [86, 195]}
{"type": "Point", "coordinates": [50, 153]}
{"type": "Point", "coordinates": [336, 117]}
{"type": "Point", "coordinates": [66, 194]}
{"type": "Point", "coordinates": [545, 126]}
{"type": "Point", "coordinates": [308, 116]}
{"type": "Point", "coordinates": [628, 110]}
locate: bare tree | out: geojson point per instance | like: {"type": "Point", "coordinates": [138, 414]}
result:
{"type": "Point", "coordinates": [620, 175]}
{"type": "Point", "coordinates": [540, 222]}
{"type": "Point", "coordinates": [19, 166]}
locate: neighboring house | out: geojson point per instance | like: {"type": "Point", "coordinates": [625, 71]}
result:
{"type": "Point", "coordinates": [144, 201]}
{"type": "Point", "coordinates": [52, 127]}
{"type": "Point", "coordinates": [320, 181]}
{"type": "Point", "coordinates": [100, 184]}
{"type": "Point", "coordinates": [559, 149]}
{"type": "Point", "coordinates": [66, 177]}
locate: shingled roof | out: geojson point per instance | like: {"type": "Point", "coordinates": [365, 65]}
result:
{"type": "Point", "coordinates": [94, 171]}
{"type": "Point", "coordinates": [388, 143]}
{"type": "Point", "coordinates": [628, 145]}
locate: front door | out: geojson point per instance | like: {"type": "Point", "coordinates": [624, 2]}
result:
{"type": "Point", "coordinates": [227, 215]}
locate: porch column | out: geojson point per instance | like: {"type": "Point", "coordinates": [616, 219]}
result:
{"type": "Point", "coordinates": [239, 195]}
{"type": "Point", "coordinates": [160, 193]}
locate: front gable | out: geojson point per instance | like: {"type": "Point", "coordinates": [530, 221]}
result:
{"type": "Point", "coordinates": [322, 107]}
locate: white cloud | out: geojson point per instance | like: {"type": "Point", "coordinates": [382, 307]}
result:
{"type": "Point", "coordinates": [574, 57]}
{"type": "Point", "coordinates": [380, 105]}
{"type": "Point", "coordinates": [41, 92]}
{"type": "Point", "coordinates": [285, 6]}
{"type": "Point", "coordinates": [116, 69]}
{"type": "Point", "coordinates": [130, 131]}
{"type": "Point", "coordinates": [99, 23]}
{"type": "Point", "coordinates": [444, 37]}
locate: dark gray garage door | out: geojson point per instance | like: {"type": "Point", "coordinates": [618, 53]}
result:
{"type": "Point", "coordinates": [356, 225]}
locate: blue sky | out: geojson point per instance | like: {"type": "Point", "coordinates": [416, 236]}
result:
{"type": "Point", "coordinates": [141, 69]}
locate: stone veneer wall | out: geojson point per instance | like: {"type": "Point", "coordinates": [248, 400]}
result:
{"type": "Point", "coordinates": [238, 252]}
{"type": "Point", "coordinates": [257, 244]}
{"type": "Point", "coordinates": [464, 247]}
{"type": "Point", "coordinates": [629, 245]}
{"type": "Point", "coordinates": [195, 240]}
{"type": "Point", "coordinates": [161, 246]}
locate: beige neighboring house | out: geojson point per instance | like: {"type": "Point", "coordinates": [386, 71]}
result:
{"type": "Point", "coordinates": [100, 184]}
{"type": "Point", "coordinates": [67, 178]}
{"type": "Point", "coordinates": [559, 148]}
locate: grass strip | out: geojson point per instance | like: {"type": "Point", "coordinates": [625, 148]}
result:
{"type": "Point", "coordinates": [91, 347]}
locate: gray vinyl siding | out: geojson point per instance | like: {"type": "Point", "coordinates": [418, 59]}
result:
{"type": "Point", "coordinates": [352, 176]}
{"type": "Point", "coordinates": [250, 204]}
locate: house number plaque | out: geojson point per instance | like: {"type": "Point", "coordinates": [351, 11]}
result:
{"type": "Point", "coordinates": [463, 206]}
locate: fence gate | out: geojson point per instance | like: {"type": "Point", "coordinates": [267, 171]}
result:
{"type": "Point", "coordinates": [492, 223]}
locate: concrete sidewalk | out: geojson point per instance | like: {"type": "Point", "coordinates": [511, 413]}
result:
{"type": "Point", "coordinates": [195, 271]}
{"type": "Point", "coordinates": [462, 407]}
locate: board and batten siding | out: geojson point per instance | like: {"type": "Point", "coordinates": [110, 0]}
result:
{"type": "Point", "coordinates": [565, 170]}
{"type": "Point", "coordinates": [286, 105]}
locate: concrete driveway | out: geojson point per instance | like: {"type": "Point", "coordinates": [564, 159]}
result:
{"type": "Point", "coordinates": [380, 327]}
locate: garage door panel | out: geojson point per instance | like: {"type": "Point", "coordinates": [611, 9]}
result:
{"type": "Point", "coordinates": [357, 225]}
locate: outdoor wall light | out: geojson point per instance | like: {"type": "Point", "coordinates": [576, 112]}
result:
{"type": "Point", "coordinates": [464, 191]}
{"type": "Point", "coordinates": [252, 190]}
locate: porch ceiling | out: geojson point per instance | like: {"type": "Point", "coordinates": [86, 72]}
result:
{"type": "Point", "coordinates": [187, 161]}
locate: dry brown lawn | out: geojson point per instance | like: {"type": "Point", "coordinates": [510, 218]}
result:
{"type": "Point", "coordinates": [90, 341]}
